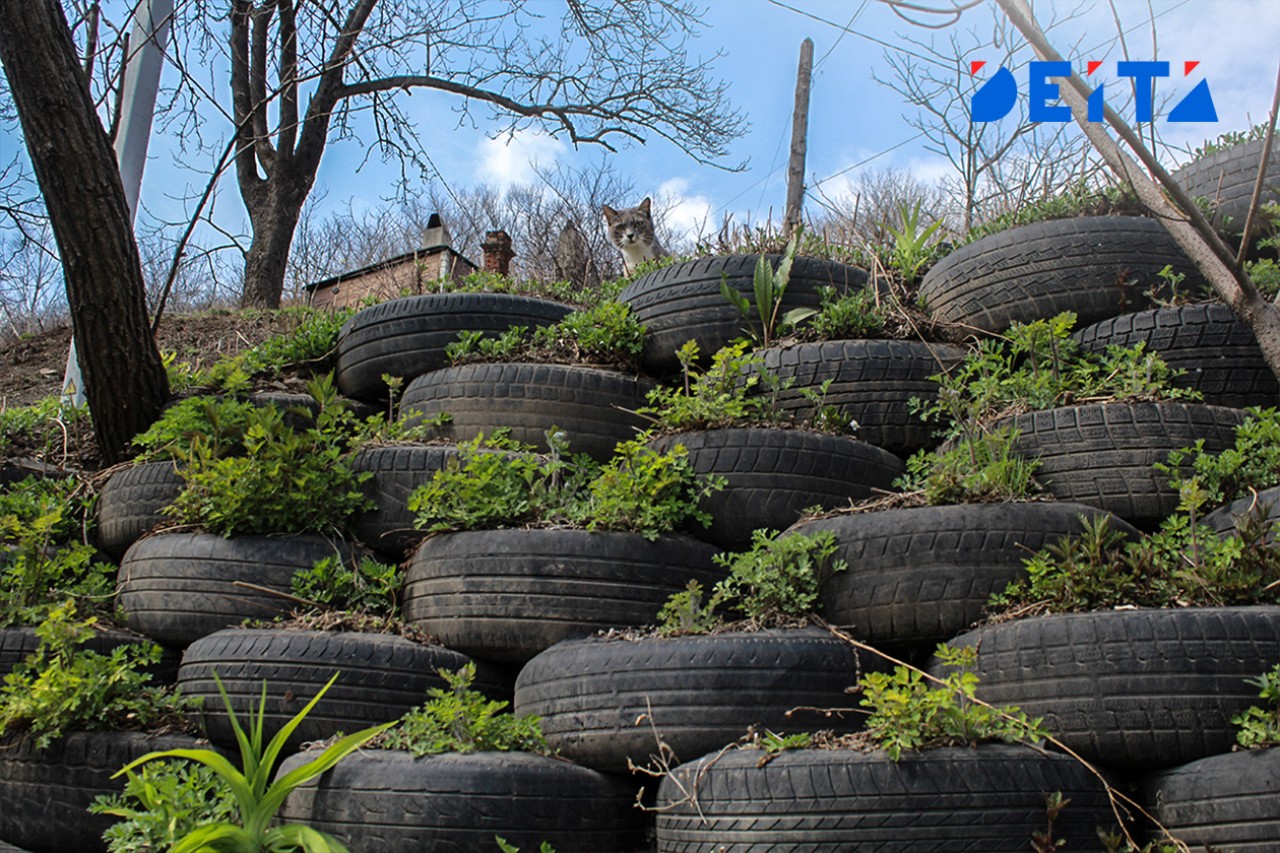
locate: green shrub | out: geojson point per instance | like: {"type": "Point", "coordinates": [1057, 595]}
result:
{"type": "Point", "coordinates": [285, 480]}
{"type": "Point", "coordinates": [776, 581]}
{"type": "Point", "coordinates": [257, 795]}
{"type": "Point", "coordinates": [981, 467]}
{"type": "Point", "coordinates": [42, 565]}
{"type": "Point", "coordinates": [1182, 564]}
{"type": "Point", "coordinates": [311, 343]}
{"type": "Point", "coordinates": [907, 712]}
{"type": "Point", "coordinates": [44, 429]}
{"type": "Point", "coordinates": [370, 587]}
{"type": "Point", "coordinates": [1081, 199]}
{"type": "Point", "coordinates": [61, 687]}
{"type": "Point", "coordinates": [1039, 366]}
{"type": "Point", "coordinates": [856, 314]}
{"type": "Point", "coordinates": [606, 334]}
{"type": "Point", "coordinates": [216, 424]}
{"type": "Point", "coordinates": [161, 803]}
{"type": "Point", "coordinates": [646, 491]}
{"type": "Point", "coordinates": [1260, 725]}
{"type": "Point", "coordinates": [459, 719]}
{"type": "Point", "coordinates": [733, 391]}
{"type": "Point", "coordinates": [1252, 464]}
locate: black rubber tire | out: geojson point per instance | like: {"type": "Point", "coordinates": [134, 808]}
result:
{"type": "Point", "coordinates": [683, 302]}
{"type": "Point", "coordinates": [591, 405]}
{"type": "Point", "coordinates": [1135, 688]}
{"type": "Point", "coordinates": [407, 337]}
{"type": "Point", "coordinates": [46, 791]}
{"type": "Point", "coordinates": [987, 799]}
{"type": "Point", "coordinates": [1227, 177]}
{"type": "Point", "coordinates": [16, 643]}
{"type": "Point", "coordinates": [872, 383]}
{"type": "Point", "coordinates": [1102, 454]}
{"type": "Point", "coordinates": [1223, 519]}
{"type": "Point", "coordinates": [506, 595]}
{"type": "Point", "coordinates": [382, 677]}
{"type": "Point", "coordinates": [773, 475]}
{"type": "Point", "coordinates": [1095, 266]}
{"type": "Point", "coordinates": [1229, 802]}
{"type": "Point", "coordinates": [918, 577]}
{"type": "Point", "coordinates": [385, 801]}
{"type": "Point", "coordinates": [398, 470]}
{"type": "Point", "coordinates": [603, 702]}
{"type": "Point", "coordinates": [1219, 353]}
{"type": "Point", "coordinates": [130, 504]}
{"type": "Point", "coordinates": [179, 587]}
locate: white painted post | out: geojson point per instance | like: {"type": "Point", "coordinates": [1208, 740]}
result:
{"type": "Point", "coordinates": [137, 107]}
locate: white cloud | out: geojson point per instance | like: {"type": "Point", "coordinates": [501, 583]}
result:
{"type": "Point", "coordinates": [512, 159]}
{"type": "Point", "coordinates": [686, 216]}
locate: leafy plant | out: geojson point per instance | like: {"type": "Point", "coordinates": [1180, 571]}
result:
{"type": "Point", "coordinates": [769, 286]}
{"type": "Point", "coordinates": [215, 424]}
{"type": "Point", "coordinates": [1230, 139]}
{"type": "Point", "coordinates": [1252, 464]}
{"type": "Point", "coordinates": [1039, 366]}
{"type": "Point", "coordinates": [495, 482]}
{"type": "Point", "coordinates": [980, 467]}
{"type": "Point", "coordinates": [1260, 726]}
{"type": "Point", "coordinates": [161, 803]}
{"type": "Point", "coordinates": [1182, 564]}
{"type": "Point", "coordinates": [285, 480]}
{"type": "Point", "coordinates": [910, 713]}
{"type": "Point", "coordinates": [459, 719]}
{"type": "Point", "coordinates": [1081, 199]}
{"type": "Point", "coordinates": [256, 796]}
{"type": "Point", "coordinates": [368, 587]}
{"type": "Point", "coordinates": [311, 342]}
{"type": "Point", "coordinates": [733, 391]}
{"type": "Point", "coordinates": [504, 847]}
{"type": "Point", "coordinates": [44, 429]}
{"type": "Point", "coordinates": [41, 565]}
{"type": "Point", "coordinates": [856, 314]}
{"type": "Point", "coordinates": [604, 334]}
{"type": "Point", "coordinates": [61, 687]}
{"type": "Point", "coordinates": [776, 580]}
{"type": "Point", "coordinates": [911, 249]}
{"type": "Point", "coordinates": [646, 491]}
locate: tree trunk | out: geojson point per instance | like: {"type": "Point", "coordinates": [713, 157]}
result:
{"type": "Point", "coordinates": [267, 260]}
{"type": "Point", "coordinates": [125, 381]}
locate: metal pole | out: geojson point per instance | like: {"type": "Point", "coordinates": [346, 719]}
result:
{"type": "Point", "coordinates": [137, 107]}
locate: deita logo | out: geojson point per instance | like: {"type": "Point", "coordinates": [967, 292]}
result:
{"type": "Point", "coordinates": [998, 95]}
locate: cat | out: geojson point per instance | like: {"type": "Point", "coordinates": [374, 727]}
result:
{"type": "Point", "coordinates": [631, 230]}
{"type": "Point", "coordinates": [573, 260]}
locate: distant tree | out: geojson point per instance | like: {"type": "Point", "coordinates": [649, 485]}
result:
{"type": "Point", "coordinates": [994, 165]}
{"type": "Point", "coordinates": [872, 200]}
{"type": "Point", "coordinates": [126, 383]}
{"type": "Point", "coordinates": [302, 71]}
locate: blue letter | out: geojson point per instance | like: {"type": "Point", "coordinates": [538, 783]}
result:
{"type": "Point", "coordinates": [1197, 106]}
{"type": "Point", "coordinates": [1041, 91]}
{"type": "Point", "coordinates": [1097, 104]}
{"type": "Point", "coordinates": [1143, 73]}
{"type": "Point", "coordinates": [996, 97]}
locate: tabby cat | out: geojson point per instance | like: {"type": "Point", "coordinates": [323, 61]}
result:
{"type": "Point", "coordinates": [631, 230]}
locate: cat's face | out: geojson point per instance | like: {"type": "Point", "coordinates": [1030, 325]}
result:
{"type": "Point", "coordinates": [630, 225]}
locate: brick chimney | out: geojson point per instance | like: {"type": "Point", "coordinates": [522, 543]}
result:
{"type": "Point", "coordinates": [497, 252]}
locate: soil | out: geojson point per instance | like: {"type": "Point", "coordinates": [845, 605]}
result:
{"type": "Point", "coordinates": [32, 367]}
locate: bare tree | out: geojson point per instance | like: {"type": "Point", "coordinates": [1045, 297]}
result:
{"type": "Point", "coordinates": [994, 164]}
{"type": "Point", "coordinates": [31, 292]}
{"type": "Point", "coordinates": [1222, 266]}
{"type": "Point", "coordinates": [304, 71]}
{"type": "Point", "coordinates": [873, 199]}
{"type": "Point", "coordinates": [80, 182]}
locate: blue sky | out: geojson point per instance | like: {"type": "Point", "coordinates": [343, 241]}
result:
{"type": "Point", "coordinates": [852, 118]}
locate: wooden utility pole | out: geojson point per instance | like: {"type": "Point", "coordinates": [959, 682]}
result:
{"type": "Point", "coordinates": [799, 131]}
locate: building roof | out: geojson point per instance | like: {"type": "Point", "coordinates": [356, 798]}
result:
{"type": "Point", "coordinates": [426, 251]}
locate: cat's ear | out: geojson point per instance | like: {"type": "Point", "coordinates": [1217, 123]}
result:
{"type": "Point", "coordinates": [609, 213]}
{"type": "Point", "coordinates": [644, 206]}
